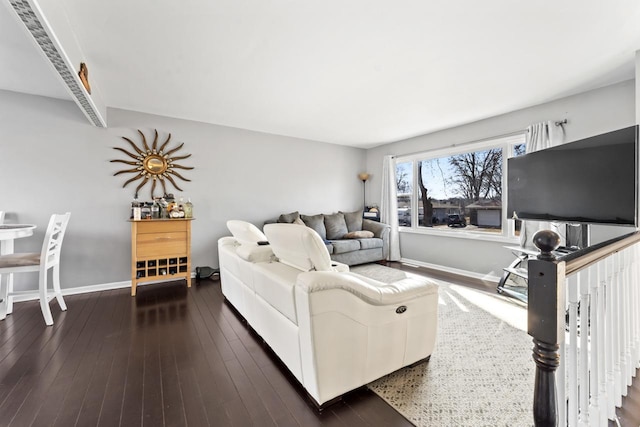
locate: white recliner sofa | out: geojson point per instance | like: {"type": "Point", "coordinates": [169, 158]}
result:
{"type": "Point", "coordinates": [334, 330]}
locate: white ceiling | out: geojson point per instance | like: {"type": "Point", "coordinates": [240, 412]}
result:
{"type": "Point", "coordinates": [359, 73]}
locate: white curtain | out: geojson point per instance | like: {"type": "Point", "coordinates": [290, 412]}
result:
{"type": "Point", "coordinates": [389, 208]}
{"type": "Point", "coordinates": [540, 136]}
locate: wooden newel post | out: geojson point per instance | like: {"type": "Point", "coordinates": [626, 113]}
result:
{"type": "Point", "coordinates": [546, 324]}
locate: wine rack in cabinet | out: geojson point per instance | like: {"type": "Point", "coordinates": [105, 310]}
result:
{"type": "Point", "coordinates": [160, 251]}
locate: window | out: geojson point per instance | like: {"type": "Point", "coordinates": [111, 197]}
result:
{"type": "Point", "coordinates": [404, 179]}
{"type": "Point", "coordinates": [457, 191]}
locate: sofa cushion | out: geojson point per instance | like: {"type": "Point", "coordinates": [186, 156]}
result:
{"type": "Point", "coordinates": [371, 243]}
{"type": "Point", "coordinates": [335, 225]}
{"type": "Point", "coordinates": [353, 220]}
{"type": "Point", "coordinates": [362, 234]}
{"type": "Point", "coordinates": [316, 222]}
{"type": "Point", "coordinates": [245, 232]}
{"type": "Point", "coordinates": [342, 246]}
{"type": "Point", "coordinates": [298, 246]}
{"type": "Point", "coordinates": [254, 253]}
{"type": "Point", "coordinates": [289, 218]}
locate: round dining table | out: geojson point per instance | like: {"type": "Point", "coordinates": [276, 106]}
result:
{"type": "Point", "coordinates": [8, 233]}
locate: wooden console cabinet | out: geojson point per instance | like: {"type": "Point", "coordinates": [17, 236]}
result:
{"type": "Point", "coordinates": [160, 251]}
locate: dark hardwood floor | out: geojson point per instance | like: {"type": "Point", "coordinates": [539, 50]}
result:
{"type": "Point", "coordinates": [168, 357]}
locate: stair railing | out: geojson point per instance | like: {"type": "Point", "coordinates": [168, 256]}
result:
{"type": "Point", "coordinates": [584, 318]}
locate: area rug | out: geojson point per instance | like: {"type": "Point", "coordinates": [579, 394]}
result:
{"type": "Point", "coordinates": [481, 372]}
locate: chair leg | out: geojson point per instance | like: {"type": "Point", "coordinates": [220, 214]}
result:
{"type": "Point", "coordinates": [4, 291]}
{"type": "Point", "coordinates": [56, 287]}
{"type": "Point", "coordinates": [9, 290]}
{"type": "Point", "coordinates": [44, 300]}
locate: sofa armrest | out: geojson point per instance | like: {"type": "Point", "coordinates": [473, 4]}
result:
{"type": "Point", "coordinates": [381, 231]}
{"type": "Point", "coordinates": [369, 290]}
{"type": "Point", "coordinates": [377, 228]}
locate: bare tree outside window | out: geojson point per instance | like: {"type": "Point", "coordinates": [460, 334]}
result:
{"type": "Point", "coordinates": [456, 192]}
{"type": "Point", "coordinates": [404, 179]}
{"type": "Point", "coordinates": [461, 190]}
{"type": "Point", "coordinates": [478, 175]}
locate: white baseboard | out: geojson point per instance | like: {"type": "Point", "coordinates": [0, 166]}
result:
{"type": "Point", "coordinates": [92, 288]}
{"type": "Point", "coordinates": [484, 277]}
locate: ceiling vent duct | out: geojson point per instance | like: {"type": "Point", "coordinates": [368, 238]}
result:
{"type": "Point", "coordinates": [41, 32]}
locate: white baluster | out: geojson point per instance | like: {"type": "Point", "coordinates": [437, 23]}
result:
{"type": "Point", "coordinates": [595, 372]}
{"type": "Point", "coordinates": [572, 360]}
{"type": "Point", "coordinates": [635, 282]}
{"type": "Point", "coordinates": [616, 330]}
{"type": "Point", "coordinates": [625, 351]}
{"type": "Point", "coordinates": [602, 343]}
{"type": "Point", "coordinates": [561, 386]}
{"type": "Point", "coordinates": [608, 334]}
{"type": "Point", "coordinates": [583, 380]}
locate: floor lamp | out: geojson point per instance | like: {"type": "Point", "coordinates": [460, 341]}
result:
{"type": "Point", "coordinates": [364, 177]}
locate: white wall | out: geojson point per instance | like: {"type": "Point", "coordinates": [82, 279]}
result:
{"type": "Point", "coordinates": [52, 160]}
{"type": "Point", "coordinates": [589, 113]}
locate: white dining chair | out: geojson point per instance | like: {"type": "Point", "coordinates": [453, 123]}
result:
{"type": "Point", "coordinates": [48, 258]}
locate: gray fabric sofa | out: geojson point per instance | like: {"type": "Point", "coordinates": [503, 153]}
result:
{"type": "Point", "coordinates": [350, 239]}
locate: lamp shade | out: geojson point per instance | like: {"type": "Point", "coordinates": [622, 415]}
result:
{"type": "Point", "coordinates": [363, 176]}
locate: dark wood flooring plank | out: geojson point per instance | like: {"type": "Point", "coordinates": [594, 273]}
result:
{"type": "Point", "coordinates": [111, 406]}
{"type": "Point", "coordinates": [235, 413]}
{"type": "Point", "coordinates": [220, 332]}
{"type": "Point", "coordinates": [185, 345]}
{"type": "Point", "coordinates": [94, 332]}
{"type": "Point", "coordinates": [173, 404]}
{"type": "Point", "coordinates": [210, 338]}
{"type": "Point", "coordinates": [12, 324]}
{"type": "Point", "coordinates": [214, 382]}
{"type": "Point", "coordinates": [38, 367]}
{"type": "Point", "coordinates": [295, 402]}
{"type": "Point", "coordinates": [269, 397]}
{"type": "Point", "coordinates": [257, 411]}
{"type": "Point", "coordinates": [57, 376]}
{"type": "Point", "coordinates": [12, 350]}
{"type": "Point", "coordinates": [100, 325]}
{"type": "Point", "coordinates": [152, 402]}
{"type": "Point", "coordinates": [92, 402]}
{"type": "Point", "coordinates": [131, 412]}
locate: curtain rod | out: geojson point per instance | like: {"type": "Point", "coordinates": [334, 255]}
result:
{"type": "Point", "coordinates": [476, 141]}
{"type": "Point", "coordinates": [462, 144]}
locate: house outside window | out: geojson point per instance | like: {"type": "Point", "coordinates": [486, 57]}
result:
{"type": "Point", "coordinates": [458, 191]}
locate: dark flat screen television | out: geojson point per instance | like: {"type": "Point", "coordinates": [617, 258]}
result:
{"type": "Point", "coordinates": [590, 181]}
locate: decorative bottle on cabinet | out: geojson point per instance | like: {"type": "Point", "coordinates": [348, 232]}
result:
{"type": "Point", "coordinates": [188, 209]}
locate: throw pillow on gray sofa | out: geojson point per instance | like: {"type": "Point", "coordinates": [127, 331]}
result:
{"type": "Point", "coordinates": [289, 218]}
{"type": "Point", "coordinates": [335, 225]}
{"type": "Point", "coordinates": [353, 220]}
{"type": "Point", "coordinates": [361, 234]}
{"type": "Point", "coordinates": [316, 222]}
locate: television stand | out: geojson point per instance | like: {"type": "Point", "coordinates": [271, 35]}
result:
{"type": "Point", "coordinates": [514, 281]}
{"type": "Point", "coordinates": [514, 277]}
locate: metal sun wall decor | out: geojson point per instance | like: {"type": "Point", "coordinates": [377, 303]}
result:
{"type": "Point", "coordinates": [152, 164]}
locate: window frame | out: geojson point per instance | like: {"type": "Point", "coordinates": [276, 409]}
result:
{"type": "Point", "coordinates": [507, 144]}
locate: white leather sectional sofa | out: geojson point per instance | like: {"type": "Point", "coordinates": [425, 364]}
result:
{"type": "Point", "coordinates": [334, 330]}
